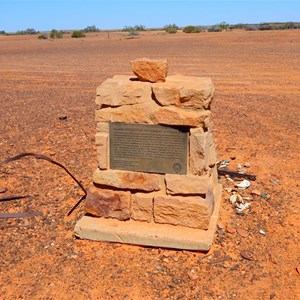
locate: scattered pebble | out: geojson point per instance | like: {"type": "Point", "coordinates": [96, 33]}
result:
{"type": "Point", "coordinates": [63, 117]}
{"type": "Point", "coordinates": [262, 232]}
{"type": "Point", "coordinates": [193, 275]}
{"type": "Point", "coordinates": [230, 230]}
{"type": "Point", "coordinates": [242, 232]}
{"type": "Point", "coordinates": [265, 196]}
{"type": "Point", "coordinates": [247, 165]}
{"type": "Point", "coordinates": [256, 192]}
{"type": "Point", "coordinates": [244, 184]}
{"type": "Point", "coordinates": [298, 269]}
{"type": "Point", "coordinates": [247, 254]}
{"type": "Point", "coordinates": [275, 181]}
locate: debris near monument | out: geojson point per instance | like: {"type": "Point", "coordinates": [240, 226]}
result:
{"type": "Point", "coordinates": [156, 182]}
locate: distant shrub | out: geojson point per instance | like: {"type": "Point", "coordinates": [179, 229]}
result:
{"type": "Point", "coordinates": [251, 27]}
{"type": "Point", "coordinates": [92, 28]}
{"type": "Point", "coordinates": [265, 26]}
{"type": "Point", "coordinates": [171, 28]}
{"type": "Point", "coordinates": [43, 36]}
{"type": "Point", "coordinates": [191, 29]}
{"type": "Point", "coordinates": [139, 27]}
{"type": "Point", "coordinates": [214, 28]}
{"type": "Point", "coordinates": [77, 34]}
{"type": "Point", "coordinates": [27, 31]}
{"type": "Point", "coordinates": [2, 32]}
{"type": "Point", "coordinates": [55, 34]}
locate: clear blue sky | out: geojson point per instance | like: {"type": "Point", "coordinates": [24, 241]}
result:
{"type": "Point", "coordinates": [114, 14]}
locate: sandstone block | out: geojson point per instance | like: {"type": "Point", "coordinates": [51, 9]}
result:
{"type": "Point", "coordinates": [197, 152]}
{"type": "Point", "coordinates": [127, 180]}
{"type": "Point", "coordinates": [102, 149]}
{"type": "Point", "coordinates": [108, 203]}
{"type": "Point", "coordinates": [150, 70]}
{"type": "Point", "coordinates": [186, 185]}
{"type": "Point", "coordinates": [178, 116]}
{"type": "Point", "coordinates": [102, 127]}
{"type": "Point", "coordinates": [187, 92]}
{"type": "Point", "coordinates": [142, 207]}
{"type": "Point", "coordinates": [130, 114]}
{"type": "Point", "coordinates": [185, 211]}
{"type": "Point", "coordinates": [120, 90]}
{"type": "Point", "coordinates": [212, 156]}
{"type": "Point", "coordinates": [166, 94]}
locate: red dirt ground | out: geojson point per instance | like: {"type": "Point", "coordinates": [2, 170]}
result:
{"type": "Point", "coordinates": [256, 113]}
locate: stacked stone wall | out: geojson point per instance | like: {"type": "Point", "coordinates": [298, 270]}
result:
{"type": "Point", "coordinates": [182, 200]}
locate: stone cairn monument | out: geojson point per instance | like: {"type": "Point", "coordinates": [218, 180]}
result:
{"type": "Point", "coordinates": [156, 183]}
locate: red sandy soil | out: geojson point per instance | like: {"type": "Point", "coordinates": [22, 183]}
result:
{"type": "Point", "coordinates": [256, 113]}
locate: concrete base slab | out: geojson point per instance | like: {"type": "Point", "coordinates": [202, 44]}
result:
{"type": "Point", "coordinates": [150, 234]}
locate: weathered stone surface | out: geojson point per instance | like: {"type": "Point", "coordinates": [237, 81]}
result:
{"type": "Point", "coordinates": [101, 140]}
{"type": "Point", "coordinates": [186, 185]}
{"type": "Point", "coordinates": [178, 116]}
{"type": "Point", "coordinates": [185, 211]}
{"type": "Point", "coordinates": [212, 156]}
{"type": "Point", "coordinates": [108, 204]}
{"type": "Point", "coordinates": [127, 180]}
{"type": "Point", "coordinates": [197, 152]}
{"type": "Point", "coordinates": [166, 94]}
{"type": "Point", "coordinates": [120, 90]}
{"type": "Point", "coordinates": [131, 114]}
{"type": "Point", "coordinates": [142, 207]}
{"type": "Point", "coordinates": [156, 235]}
{"type": "Point", "coordinates": [102, 127]}
{"type": "Point", "coordinates": [183, 91]}
{"type": "Point", "coordinates": [150, 70]}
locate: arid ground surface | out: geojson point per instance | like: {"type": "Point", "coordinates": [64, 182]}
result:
{"type": "Point", "coordinates": [256, 114]}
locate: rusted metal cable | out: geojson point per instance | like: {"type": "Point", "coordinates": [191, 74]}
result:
{"type": "Point", "coordinates": [44, 157]}
{"type": "Point", "coordinates": [9, 198]}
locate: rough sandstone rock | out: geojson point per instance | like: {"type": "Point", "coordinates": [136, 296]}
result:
{"type": "Point", "coordinates": [138, 113]}
{"type": "Point", "coordinates": [108, 203]}
{"type": "Point", "coordinates": [120, 90]}
{"type": "Point", "coordinates": [150, 70]}
{"type": "Point", "coordinates": [127, 180]}
{"type": "Point", "coordinates": [180, 117]}
{"type": "Point", "coordinates": [142, 207]}
{"type": "Point", "coordinates": [184, 211]}
{"type": "Point", "coordinates": [102, 127]}
{"type": "Point", "coordinates": [102, 149]}
{"type": "Point", "coordinates": [199, 148]}
{"type": "Point", "coordinates": [183, 91]}
{"type": "Point", "coordinates": [186, 185]}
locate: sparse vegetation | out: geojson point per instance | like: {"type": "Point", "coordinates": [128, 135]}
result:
{"type": "Point", "coordinates": [77, 34]}
{"type": "Point", "coordinates": [171, 28]}
{"type": "Point", "coordinates": [43, 36]}
{"type": "Point", "coordinates": [214, 28]}
{"type": "Point", "coordinates": [2, 32]}
{"type": "Point", "coordinates": [27, 31]}
{"type": "Point", "coordinates": [92, 28]}
{"type": "Point", "coordinates": [192, 29]}
{"type": "Point", "coordinates": [55, 34]}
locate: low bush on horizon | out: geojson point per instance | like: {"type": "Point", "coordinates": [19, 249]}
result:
{"type": "Point", "coordinates": [55, 34]}
{"type": "Point", "coordinates": [91, 28]}
{"type": "Point", "coordinates": [171, 28]}
{"type": "Point", "coordinates": [77, 34]}
{"type": "Point", "coordinates": [43, 36]}
{"type": "Point", "coordinates": [214, 28]}
{"type": "Point", "coordinates": [191, 29]}
{"type": "Point", "coordinates": [27, 31]}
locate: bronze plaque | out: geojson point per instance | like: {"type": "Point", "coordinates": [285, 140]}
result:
{"type": "Point", "coordinates": [148, 148]}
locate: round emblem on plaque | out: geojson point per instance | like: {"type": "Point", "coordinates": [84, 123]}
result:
{"type": "Point", "coordinates": [177, 167]}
